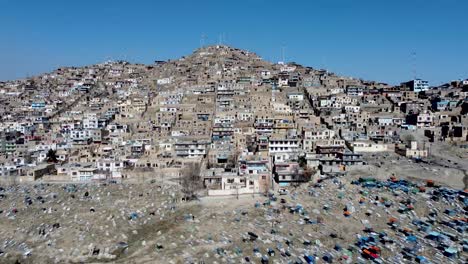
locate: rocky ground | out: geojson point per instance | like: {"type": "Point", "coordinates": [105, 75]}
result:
{"type": "Point", "coordinates": [384, 165]}
{"type": "Point", "coordinates": [146, 223]}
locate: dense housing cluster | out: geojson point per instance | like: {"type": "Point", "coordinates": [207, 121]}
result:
{"type": "Point", "coordinates": [132, 163]}
{"type": "Point", "coordinates": [250, 123]}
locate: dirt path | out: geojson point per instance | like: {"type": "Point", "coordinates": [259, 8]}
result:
{"type": "Point", "coordinates": [465, 180]}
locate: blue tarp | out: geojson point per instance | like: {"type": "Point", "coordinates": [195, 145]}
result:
{"type": "Point", "coordinates": [309, 259]}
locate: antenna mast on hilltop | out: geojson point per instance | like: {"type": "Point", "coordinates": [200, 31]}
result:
{"type": "Point", "coordinates": [125, 55]}
{"type": "Point", "coordinates": [221, 38]}
{"type": "Point", "coordinates": [324, 63]}
{"type": "Point", "coordinates": [413, 58]}
{"type": "Point", "coordinates": [283, 48]}
{"type": "Point", "coordinates": [202, 40]}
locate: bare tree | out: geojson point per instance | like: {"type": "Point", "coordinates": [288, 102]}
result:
{"type": "Point", "coordinates": [296, 177]}
{"type": "Point", "coordinates": [266, 185]}
{"type": "Point", "coordinates": [52, 156]}
{"type": "Point", "coordinates": [302, 175]}
{"type": "Point", "coordinates": [307, 174]}
{"type": "Point", "coordinates": [233, 159]}
{"type": "Point", "coordinates": [407, 138]}
{"type": "Point", "coordinates": [190, 180]}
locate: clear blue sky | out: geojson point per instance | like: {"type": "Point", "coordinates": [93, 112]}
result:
{"type": "Point", "coordinates": [371, 39]}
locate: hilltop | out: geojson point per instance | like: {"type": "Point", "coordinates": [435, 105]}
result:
{"type": "Point", "coordinates": [221, 156]}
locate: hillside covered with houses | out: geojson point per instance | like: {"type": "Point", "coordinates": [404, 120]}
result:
{"type": "Point", "coordinates": [249, 124]}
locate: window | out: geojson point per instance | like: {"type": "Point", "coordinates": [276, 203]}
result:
{"type": "Point", "coordinates": [230, 180]}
